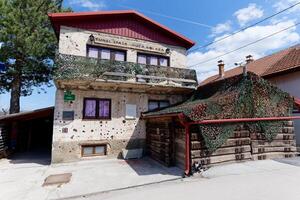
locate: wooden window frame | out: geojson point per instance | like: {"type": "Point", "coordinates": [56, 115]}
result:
{"type": "Point", "coordinates": [153, 55]}
{"type": "Point", "coordinates": [112, 52]}
{"type": "Point", "coordinates": [158, 101]}
{"type": "Point", "coordinates": [94, 150]}
{"type": "Point", "coordinates": [97, 108]}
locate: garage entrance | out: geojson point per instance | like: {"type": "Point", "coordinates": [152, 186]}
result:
{"type": "Point", "coordinates": [27, 136]}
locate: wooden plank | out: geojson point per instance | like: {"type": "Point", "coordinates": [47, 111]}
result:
{"type": "Point", "coordinates": [221, 151]}
{"type": "Point", "coordinates": [273, 155]}
{"type": "Point", "coordinates": [263, 149]}
{"type": "Point", "coordinates": [224, 158]}
{"type": "Point", "coordinates": [275, 143]}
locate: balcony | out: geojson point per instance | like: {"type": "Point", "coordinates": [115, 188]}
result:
{"type": "Point", "coordinates": [78, 70]}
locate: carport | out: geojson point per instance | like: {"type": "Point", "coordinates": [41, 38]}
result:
{"type": "Point", "coordinates": [27, 135]}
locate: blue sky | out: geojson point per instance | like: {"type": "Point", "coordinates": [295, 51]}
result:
{"type": "Point", "coordinates": [202, 21]}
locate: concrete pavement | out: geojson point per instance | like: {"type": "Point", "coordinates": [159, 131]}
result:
{"type": "Point", "coordinates": [253, 180]}
{"type": "Point", "coordinates": [24, 180]}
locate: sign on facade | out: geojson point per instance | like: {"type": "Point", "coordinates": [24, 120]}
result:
{"type": "Point", "coordinates": [117, 41]}
{"type": "Point", "coordinates": [68, 96]}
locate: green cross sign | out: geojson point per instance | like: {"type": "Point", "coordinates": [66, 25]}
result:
{"type": "Point", "coordinates": [68, 96]}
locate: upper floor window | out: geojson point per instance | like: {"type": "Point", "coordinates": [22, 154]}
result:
{"type": "Point", "coordinates": [149, 59]}
{"type": "Point", "coordinates": [106, 53]}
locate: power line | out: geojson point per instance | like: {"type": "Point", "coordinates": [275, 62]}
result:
{"type": "Point", "coordinates": [268, 36]}
{"type": "Point", "coordinates": [170, 17]}
{"type": "Point", "coordinates": [242, 29]}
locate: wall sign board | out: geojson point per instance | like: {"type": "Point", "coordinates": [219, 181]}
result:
{"type": "Point", "coordinates": [68, 96]}
{"type": "Point", "coordinates": [68, 115]}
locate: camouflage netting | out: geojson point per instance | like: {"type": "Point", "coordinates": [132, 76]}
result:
{"type": "Point", "coordinates": [236, 97]}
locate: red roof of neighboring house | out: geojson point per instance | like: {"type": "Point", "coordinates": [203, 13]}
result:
{"type": "Point", "coordinates": [128, 23]}
{"type": "Point", "coordinates": [297, 103]}
{"type": "Point", "coordinates": [271, 65]}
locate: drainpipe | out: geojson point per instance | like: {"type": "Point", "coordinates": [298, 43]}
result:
{"type": "Point", "coordinates": [186, 125]}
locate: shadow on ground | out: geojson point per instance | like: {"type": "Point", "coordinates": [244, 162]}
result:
{"type": "Point", "coordinates": [41, 157]}
{"type": "Point", "coordinates": [147, 166]}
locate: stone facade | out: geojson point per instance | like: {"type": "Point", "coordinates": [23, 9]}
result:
{"type": "Point", "coordinates": [117, 133]}
{"type": "Point", "coordinates": [74, 41]}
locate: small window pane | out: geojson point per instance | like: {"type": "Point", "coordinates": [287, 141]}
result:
{"type": "Point", "coordinates": [164, 104]}
{"type": "Point", "coordinates": [90, 108]}
{"type": "Point", "coordinates": [105, 54]}
{"type": "Point", "coordinates": [152, 105]}
{"type": "Point", "coordinates": [104, 108]}
{"type": "Point", "coordinates": [163, 62]}
{"type": "Point", "coordinates": [153, 60]}
{"type": "Point", "coordinates": [87, 151]}
{"type": "Point", "coordinates": [100, 150]}
{"type": "Point", "coordinates": [119, 56]}
{"type": "Point", "coordinates": [92, 52]}
{"type": "Point", "coordinates": [130, 111]}
{"type": "Point", "coordinates": [142, 59]}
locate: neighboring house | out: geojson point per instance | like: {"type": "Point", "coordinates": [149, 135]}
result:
{"type": "Point", "coordinates": [281, 68]}
{"type": "Point", "coordinates": [229, 120]}
{"type": "Point", "coordinates": [111, 67]}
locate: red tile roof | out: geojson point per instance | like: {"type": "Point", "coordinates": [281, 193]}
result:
{"type": "Point", "coordinates": [115, 22]}
{"type": "Point", "coordinates": [281, 61]}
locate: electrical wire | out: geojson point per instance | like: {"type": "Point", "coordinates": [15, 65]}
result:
{"type": "Point", "coordinates": [244, 46]}
{"type": "Point", "coordinates": [242, 29]}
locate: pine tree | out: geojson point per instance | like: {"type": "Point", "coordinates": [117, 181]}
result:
{"type": "Point", "coordinates": [28, 46]}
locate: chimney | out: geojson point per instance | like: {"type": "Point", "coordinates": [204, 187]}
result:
{"type": "Point", "coordinates": [221, 68]}
{"type": "Point", "coordinates": [249, 59]}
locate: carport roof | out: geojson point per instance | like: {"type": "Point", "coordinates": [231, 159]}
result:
{"type": "Point", "coordinates": [28, 115]}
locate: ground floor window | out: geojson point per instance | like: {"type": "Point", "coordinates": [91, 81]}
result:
{"type": "Point", "coordinates": [93, 150]}
{"type": "Point", "coordinates": [156, 104]}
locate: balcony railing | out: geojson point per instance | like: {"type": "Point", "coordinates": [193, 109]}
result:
{"type": "Point", "coordinates": [69, 67]}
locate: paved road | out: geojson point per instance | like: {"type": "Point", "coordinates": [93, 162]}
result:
{"type": "Point", "coordinates": [258, 180]}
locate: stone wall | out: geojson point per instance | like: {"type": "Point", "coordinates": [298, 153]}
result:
{"type": "Point", "coordinates": [117, 133]}
{"type": "Point", "coordinates": [74, 41]}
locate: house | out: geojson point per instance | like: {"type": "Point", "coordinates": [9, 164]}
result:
{"type": "Point", "coordinates": [242, 117]}
{"type": "Point", "coordinates": [281, 68]}
{"type": "Point", "coordinates": [111, 67]}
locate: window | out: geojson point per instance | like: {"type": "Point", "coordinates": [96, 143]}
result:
{"type": "Point", "coordinates": [96, 108]}
{"type": "Point", "coordinates": [130, 111]}
{"type": "Point", "coordinates": [93, 150]}
{"type": "Point", "coordinates": [106, 53]}
{"type": "Point", "coordinates": [156, 104]}
{"type": "Point", "coordinates": [152, 59]}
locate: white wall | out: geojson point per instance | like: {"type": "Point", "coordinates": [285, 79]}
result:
{"type": "Point", "coordinates": [290, 83]}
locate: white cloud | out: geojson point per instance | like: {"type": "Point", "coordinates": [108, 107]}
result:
{"type": "Point", "coordinates": [248, 14]}
{"type": "Point", "coordinates": [221, 28]}
{"type": "Point", "coordinates": [258, 50]}
{"type": "Point", "coordinates": [89, 4]}
{"type": "Point", "coordinates": [283, 4]}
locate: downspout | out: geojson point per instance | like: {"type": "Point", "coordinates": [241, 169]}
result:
{"type": "Point", "coordinates": [186, 125]}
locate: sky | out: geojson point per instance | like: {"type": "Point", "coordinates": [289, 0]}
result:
{"type": "Point", "coordinates": [202, 21]}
